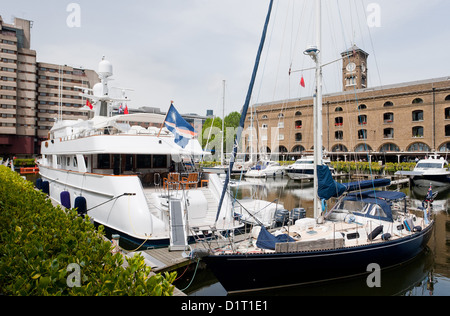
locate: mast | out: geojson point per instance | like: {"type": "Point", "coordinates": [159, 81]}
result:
{"type": "Point", "coordinates": [244, 110]}
{"type": "Point", "coordinates": [222, 160]}
{"type": "Point", "coordinates": [318, 130]}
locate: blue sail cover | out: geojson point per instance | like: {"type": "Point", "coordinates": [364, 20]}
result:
{"type": "Point", "coordinates": [268, 241]}
{"type": "Point", "coordinates": [328, 188]}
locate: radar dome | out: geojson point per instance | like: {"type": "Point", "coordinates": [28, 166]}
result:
{"type": "Point", "coordinates": [98, 90]}
{"type": "Point", "coordinates": [105, 68]}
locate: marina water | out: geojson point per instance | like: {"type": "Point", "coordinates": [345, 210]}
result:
{"type": "Point", "coordinates": [426, 275]}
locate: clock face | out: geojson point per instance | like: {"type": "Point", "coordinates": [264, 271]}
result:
{"type": "Point", "coordinates": [363, 67]}
{"type": "Point", "coordinates": [351, 67]}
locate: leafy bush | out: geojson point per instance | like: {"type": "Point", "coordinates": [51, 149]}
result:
{"type": "Point", "coordinates": [38, 242]}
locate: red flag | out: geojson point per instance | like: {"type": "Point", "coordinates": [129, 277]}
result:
{"type": "Point", "coordinates": [88, 104]}
{"type": "Point", "coordinates": [302, 82]}
{"type": "Point", "coordinates": [126, 110]}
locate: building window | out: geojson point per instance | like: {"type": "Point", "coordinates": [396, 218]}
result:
{"type": "Point", "coordinates": [362, 107]}
{"type": "Point", "coordinates": [282, 150]}
{"type": "Point", "coordinates": [362, 134]}
{"type": "Point", "coordinates": [298, 137]}
{"type": "Point", "coordinates": [388, 118]}
{"type": "Point", "coordinates": [363, 148]}
{"type": "Point", "coordinates": [338, 109]}
{"type": "Point", "coordinates": [264, 126]}
{"type": "Point", "coordinates": [419, 147]}
{"type": "Point", "coordinates": [264, 117]}
{"type": "Point", "coordinates": [417, 132]}
{"type": "Point", "coordinates": [445, 148]}
{"type": "Point", "coordinates": [281, 137]}
{"type": "Point", "coordinates": [389, 147]}
{"type": "Point", "coordinates": [417, 116]}
{"type": "Point", "coordinates": [447, 130]}
{"type": "Point", "coordinates": [338, 121]}
{"type": "Point", "coordinates": [298, 113]}
{"type": "Point", "coordinates": [447, 98]}
{"type": "Point", "coordinates": [298, 124]}
{"type": "Point", "coordinates": [388, 104]}
{"type": "Point", "coordinates": [388, 133]}
{"type": "Point", "coordinates": [281, 115]}
{"type": "Point", "coordinates": [339, 135]}
{"type": "Point", "coordinates": [447, 113]}
{"type": "Point", "coordinates": [298, 149]}
{"type": "Point", "coordinates": [280, 124]}
{"type": "Point", "coordinates": [350, 81]}
{"type": "Point", "coordinates": [417, 101]}
{"type": "Point", "coordinates": [362, 119]}
{"type": "Point", "coordinates": [339, 149]}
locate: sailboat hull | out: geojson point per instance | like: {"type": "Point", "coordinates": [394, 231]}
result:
{"type": "Point", "coordinates": [253, 272]}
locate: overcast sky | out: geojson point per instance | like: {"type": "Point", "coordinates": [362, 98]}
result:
{"type": "Point", "coordinates": [182, 50]}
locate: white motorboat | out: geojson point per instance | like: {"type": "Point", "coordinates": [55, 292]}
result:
{"type": "Point", "coordinates": [433, 170]}
{"type": "Point", "coordinates": [303, 168]}
{"type": "Point", "coordinates": [265, 168]}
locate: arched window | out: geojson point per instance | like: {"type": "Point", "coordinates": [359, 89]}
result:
{"type": "Point", "coordinates": [281, 115]}
{"type": "Point", "coordinates": [339, 149]}
{"type": "Point", "coordinates": [418, 147]}
{"type": "Point", "coordinates": [363, 148]}
{"type": "Point", "coordinates": [447, 98]}
{"type": "Point", "coordinates": [388, 118]}
{"type": "Point", "coordinates": [417, 115]}
{"type": "Point", "coordinates": [264, 117]}
{"type": "Point", "coordinates": [362, 107]}
{"type": "Point", "coordinates": [298, 149]}
{"type": "Point", "coordinates": [298, 113]}
{"type": "Point", "coordinates": [388, 133]}
{"type": "Point", "coordinates": [389, 147]}
{"type": "Point", "coordinates": [282, 149]}
{"type": "Point", "coordinates": [417, 132]}
{"type": "Point", "coordinates": [298, 137]}
{"type": "Point", "coordinates": [338, 109]}
{"type": "Point", "coordinates": [417, 101]}
{"type": "Point", "coordinates": [388, 103]}
{"type": "Point", "coordinates": [445, 147]}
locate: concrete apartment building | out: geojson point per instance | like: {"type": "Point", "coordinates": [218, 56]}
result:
{"type": "Point", "coordinates": [30, 92]}
{"type": "Point", "coordinates": [393, 123]}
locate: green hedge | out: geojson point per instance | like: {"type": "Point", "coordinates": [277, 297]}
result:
{"type": "Point", "coordinates": [38, 243]}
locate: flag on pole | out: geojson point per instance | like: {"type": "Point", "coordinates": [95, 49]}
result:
{"type": "Point", "coordinates": [89, 104]}
{"type": "Point", "coordinates": [302, 82]}
{"type": "Point", "coordinates": [182, 130]}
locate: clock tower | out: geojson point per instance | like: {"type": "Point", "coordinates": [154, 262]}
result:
{"type": "Point", "coordinates": [354, 68]}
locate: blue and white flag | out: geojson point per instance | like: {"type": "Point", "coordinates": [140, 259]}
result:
{"type": "Point", "coordinates": [182, 130]}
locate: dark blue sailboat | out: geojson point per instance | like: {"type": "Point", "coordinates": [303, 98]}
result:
{"type": "Point", "coordinates": [363, 230]}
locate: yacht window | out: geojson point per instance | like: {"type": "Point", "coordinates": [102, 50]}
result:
{"type": "Point", "coordinates": [352, 206]}
{"type": "Point", "coordinates": [143, 161]}
{"type": "Point", "coordinates": [429, 165]}
{"type": "Point", "coordinates": [103, 161]}
{"type": "Point", "coordinates": [68, 162]}
{"type": "Point", "coordinates": [377, 211]}
{"type": "Point", "coordinates": [159, 161]}
{"type": "Point", "coordinates": [75, 162]}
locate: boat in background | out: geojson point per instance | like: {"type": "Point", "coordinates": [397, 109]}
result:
{"type": "Point", "coordinates": [433, 170]}
{"type": "Point", "coordinates": [303, 168]}
{"type": "Point", "coordinates": [264, 169]}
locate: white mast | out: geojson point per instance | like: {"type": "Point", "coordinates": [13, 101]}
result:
{"type": "Point", "coordinates": [222, 160]}
{"type": "Point", "coordinates": [318, 143]}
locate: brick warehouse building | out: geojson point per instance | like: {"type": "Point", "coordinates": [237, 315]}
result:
{"type": "Point", "coordinates": [391, 123]}
{"type": "Point", "coordinates": [30, 92]}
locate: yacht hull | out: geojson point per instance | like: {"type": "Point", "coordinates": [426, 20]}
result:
{"type": "Point", "coordinates": [253, 272]}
